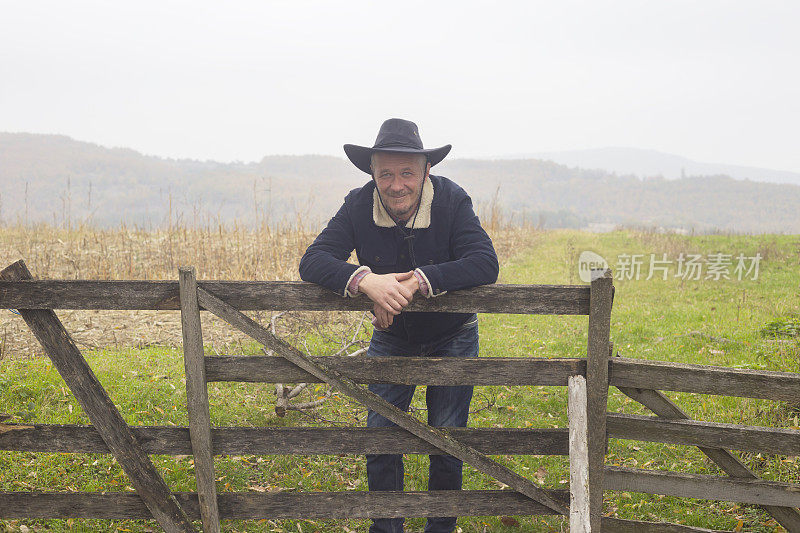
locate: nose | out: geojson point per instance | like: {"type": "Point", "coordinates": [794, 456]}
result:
{"type": "Point", "coordinates": [396, 186]}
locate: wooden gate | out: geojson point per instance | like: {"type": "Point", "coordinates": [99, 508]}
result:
{"type": "Point", "coordinates": [585, 440]}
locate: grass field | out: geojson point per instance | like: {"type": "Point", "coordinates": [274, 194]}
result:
{"type": "Point", "coordinates": [748, 323]}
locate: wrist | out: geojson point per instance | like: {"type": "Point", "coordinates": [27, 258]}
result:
{"type": "Point", "coordinates": [365, 284]}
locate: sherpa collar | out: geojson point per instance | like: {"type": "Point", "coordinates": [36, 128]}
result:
{"type": "Point", "coordinates": [423, 220]}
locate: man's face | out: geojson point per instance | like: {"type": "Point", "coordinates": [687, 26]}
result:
{"type": "Point", "coordinates": [399, 179]}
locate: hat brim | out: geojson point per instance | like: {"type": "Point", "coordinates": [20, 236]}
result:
{"type": "Point", "coordinates": [361, 156]}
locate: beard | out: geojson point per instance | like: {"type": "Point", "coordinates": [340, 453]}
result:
{"type": "Point", "coordinates": [402, 212]}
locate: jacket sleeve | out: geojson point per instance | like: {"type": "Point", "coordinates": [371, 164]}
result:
{"type": "Point", "coordinates": [475, 260]}
{"type": "Point", "coordinates": [325, 261]}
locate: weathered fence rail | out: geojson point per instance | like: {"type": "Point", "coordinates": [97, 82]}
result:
{"type": "Point", "coordinates": [633, 373]}
{"type": "Point", "coordinates": [641, 380]}
{"type": "Point", "coordinates": [282, 295]}
{"type": "Point", "coordinates": [171, 440]}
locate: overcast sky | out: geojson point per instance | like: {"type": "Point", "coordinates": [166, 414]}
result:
{"type": "Point", "coordinates": [715, 81]}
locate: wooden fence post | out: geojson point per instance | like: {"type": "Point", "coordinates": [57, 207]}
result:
{"type": "Point", "coordinates": [197, 400]}
{"type": "Point", "coordinates": [579, 521]}
{"type": "Point", "coordinates": [600, 294]}
{"type": "Point", "coordinates": [101, 411]}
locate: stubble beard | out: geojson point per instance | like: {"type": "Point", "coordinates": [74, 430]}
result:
{"type": "Point", "coordinates": [405, 214]}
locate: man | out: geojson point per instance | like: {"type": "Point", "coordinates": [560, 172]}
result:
{"type": "Point", "coordinates": [412, 232]}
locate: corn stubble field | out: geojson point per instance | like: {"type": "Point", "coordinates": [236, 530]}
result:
{"type": "Point", "coordinates": [136, 354]}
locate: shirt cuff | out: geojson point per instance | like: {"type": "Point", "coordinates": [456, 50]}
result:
{"type": "Point", "coordinates": [423, 282]}
{"type": "Point", "coordinates": [355, 279]}
{"type": "Point", "coordinates": [428, 289]}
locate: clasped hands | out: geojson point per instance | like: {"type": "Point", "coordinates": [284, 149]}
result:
{"type": "Point", "coordinates": [390, 293]}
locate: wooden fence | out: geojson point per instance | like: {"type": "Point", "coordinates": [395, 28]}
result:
{"type": "Point", "coordinates": [584, 441]}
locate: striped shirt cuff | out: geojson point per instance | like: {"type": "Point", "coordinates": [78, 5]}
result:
{"type": "Point", "coordinates": [423, 283]}
{"type": "Point", "coordinates": [355, 279]}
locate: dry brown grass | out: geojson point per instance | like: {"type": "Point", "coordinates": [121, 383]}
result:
{"type": "Point", "coordinates": [235, 252]}
{"type": "Point", "coordinates": [229, 253]}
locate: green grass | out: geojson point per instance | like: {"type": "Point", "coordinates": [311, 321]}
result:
{"type": "Point", "coordinates": [727, 322]}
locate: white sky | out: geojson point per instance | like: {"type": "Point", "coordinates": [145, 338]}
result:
{"type": "Point", "coordinates": [715, 81]}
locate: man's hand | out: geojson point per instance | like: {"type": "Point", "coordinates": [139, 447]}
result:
{"type": "Point", "coordinates": [412, 283]}
{"type": "Point", "coordinates": [383, 318]}
{"type": "Point", "coordinates": [387, 291]}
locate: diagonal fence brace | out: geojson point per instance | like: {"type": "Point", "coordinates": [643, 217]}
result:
{"type": "Point", "coordinates": [102, 412]}
{"type": "Point", "coordinates": [658, 403]}
{"type": "Point", "coordinates": [434, 436]}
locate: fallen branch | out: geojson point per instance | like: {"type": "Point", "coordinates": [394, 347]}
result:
{"type": "Point", "coordinates": [284, 395]}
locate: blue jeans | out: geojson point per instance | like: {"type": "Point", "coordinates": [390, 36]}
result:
{"type": "Point", "coordinates": [448, 406]}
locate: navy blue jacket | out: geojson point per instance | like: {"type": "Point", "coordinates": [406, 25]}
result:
{"type": "Point", "coordinates": [454, 252]}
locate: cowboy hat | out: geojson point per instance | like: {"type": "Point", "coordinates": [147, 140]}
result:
{"type": "Point", "coordinates": [398, 136]}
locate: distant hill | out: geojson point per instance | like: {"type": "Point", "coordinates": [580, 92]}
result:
{"type": "Point", "coordinates": [108, 185]}
{"type": "Point", "coordinates": [651, 163]}
{"type": "Point", "coordinates": [83, 182]}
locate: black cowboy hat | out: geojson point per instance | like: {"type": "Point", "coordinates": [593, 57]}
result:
{"type": "Point", "coordinates": [398, 136]}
